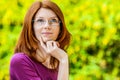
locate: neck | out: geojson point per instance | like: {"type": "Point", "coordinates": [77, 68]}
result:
{"type": "Point", "coordinates": [47, 62]}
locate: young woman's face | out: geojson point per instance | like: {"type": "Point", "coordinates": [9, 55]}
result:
{"type": "Point", "coordinates": [46, 25]}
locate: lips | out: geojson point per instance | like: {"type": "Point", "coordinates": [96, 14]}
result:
{"type": "Point", "coordinates": [46, 33]}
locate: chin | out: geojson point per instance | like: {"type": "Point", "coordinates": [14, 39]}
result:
{"type": "Point", "coordinates": [47, 39]}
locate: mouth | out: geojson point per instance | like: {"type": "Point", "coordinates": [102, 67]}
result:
{"type": "Point", "coordinates": [46, 33]}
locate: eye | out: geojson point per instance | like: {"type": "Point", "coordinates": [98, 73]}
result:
{"type": "Point", "coordinates": [53, 20]}
{"type": "Point", "coordinates": [41, 20]}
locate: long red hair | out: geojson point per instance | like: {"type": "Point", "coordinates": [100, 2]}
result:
{"type": "Point", "coordinates": [28, 43]}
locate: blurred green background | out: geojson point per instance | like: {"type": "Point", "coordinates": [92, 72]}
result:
{"type": "Point", "coordinates": [94, 52]}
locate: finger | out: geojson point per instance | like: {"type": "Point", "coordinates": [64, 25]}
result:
{"type": "Point", "coordinates": [58, 44]}
{"type": "Point", "coordinates": [49, 44]}
{"type": "Point", "coordinates": [42, 43]}
{"type": "Point", "coordinates": [55, 44]}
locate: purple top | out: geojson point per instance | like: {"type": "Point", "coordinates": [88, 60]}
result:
{"type": "Point", "coordinates": [24, 68]}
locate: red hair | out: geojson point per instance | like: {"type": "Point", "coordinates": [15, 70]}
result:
{"type": "Point", "coordinates": [28, 43]}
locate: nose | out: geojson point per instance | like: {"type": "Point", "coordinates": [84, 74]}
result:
{"type": "Point", "coordinates": [47, 25]}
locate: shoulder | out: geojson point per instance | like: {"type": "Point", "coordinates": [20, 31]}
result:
{"type": "Point", "coordinates": [20, 58]}
{"type": "Point", "coordinates": [22, 68]}
{"type": "Point", "coordinates": [21, 62]}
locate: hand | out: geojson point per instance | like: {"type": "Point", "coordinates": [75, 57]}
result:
{"type": "Point", "coordinates": [52, 48]}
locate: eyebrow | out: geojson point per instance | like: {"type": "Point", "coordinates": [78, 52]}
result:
{"type": "Point", "coordinates": [49, 17]}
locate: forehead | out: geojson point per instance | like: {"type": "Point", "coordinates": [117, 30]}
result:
{"type": "Point", "coordinates": [45, 13]}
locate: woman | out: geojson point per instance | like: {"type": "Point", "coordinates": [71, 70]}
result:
{"type": "Point", "coordinates": [40, 50]}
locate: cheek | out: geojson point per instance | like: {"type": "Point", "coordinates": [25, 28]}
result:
{"type": "Point", "coordinates": [56, 33]}
{"type": "Point", "coordinates": [37, 31]}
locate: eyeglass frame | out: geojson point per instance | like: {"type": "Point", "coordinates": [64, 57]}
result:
{"type": "Point", "coordinates": [48, 21]}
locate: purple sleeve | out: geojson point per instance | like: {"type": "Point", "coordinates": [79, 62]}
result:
{"type": "Point", "coordinates": [21, 68]}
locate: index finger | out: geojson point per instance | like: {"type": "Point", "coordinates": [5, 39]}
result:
{"type": "Point", "coordinates": [42, 43]}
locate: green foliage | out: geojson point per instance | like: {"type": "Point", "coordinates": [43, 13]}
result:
{"type": "Point", "coordinates": [94, 52]}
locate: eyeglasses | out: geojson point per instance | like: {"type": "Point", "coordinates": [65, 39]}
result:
{"type": "Point", "coordinates": [52, 22]}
